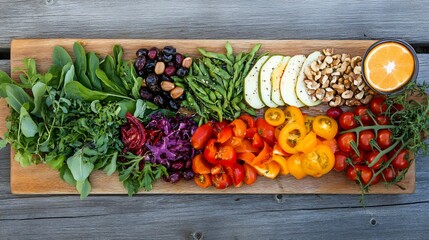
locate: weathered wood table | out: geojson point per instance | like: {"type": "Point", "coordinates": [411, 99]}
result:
{"type": "Point", "coordinates": [215, 216]}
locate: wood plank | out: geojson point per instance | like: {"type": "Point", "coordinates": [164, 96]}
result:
{"type": "Point", "coordinates": [268, 19]}
{"type": "Point", "coordinates": [5, 67]}
{"type": "Point", "coordinates": [41, 180]}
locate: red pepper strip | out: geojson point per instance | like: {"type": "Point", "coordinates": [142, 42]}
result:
{"type": "Point", "coordinates": [264, 155]}
{"type": "Point", "coordinates": [133, 135]}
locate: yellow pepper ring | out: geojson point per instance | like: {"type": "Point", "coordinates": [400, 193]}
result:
{"type": "Point", "coordinates": [290, 136]}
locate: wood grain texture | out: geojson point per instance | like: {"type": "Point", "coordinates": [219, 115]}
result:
{"type": "Point", "coordinates": [267, 19]}
{"type": "Point", "coordinates": [40, 179]}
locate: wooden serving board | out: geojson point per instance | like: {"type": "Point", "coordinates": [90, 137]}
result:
{"type": "Point", "coordinates": [40, 179]}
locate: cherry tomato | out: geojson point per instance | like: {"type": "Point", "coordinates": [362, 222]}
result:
{"type": "Point", "coordinates": [200, 165]}
{"type": "Point", "coordinates": [236, 172]}
{"type": "Point", "coordinates": [257, 141]}
{"type": "Point", "coordinates": [376, 180]}
{"type": "Point", "coordinates": [308, 122]}
{"type": "Point", "coordinates": [370, 158]}
{"type": "Point", "coordinates": [203, 180]}
{"type": "Point", "coordinates": [201, 135]}
{"type": "Point", "coordinates": [384, 138]}
{"type": "Point", "coordinates": [319, 161]}
{"type": "Point", "coordinates": [295, 167]}
{"type": "Point", "coordinates": [290, 136]}
{"type": "Point", "coordinates": [402, 160]}
{"type": "Point", "coordinates": [294, 114]}
{"type": "Point", "coordinates": [397, 107]}
{"type": "Point", "coordinates": [307, 144]}
{"type": "Point", "coordinates": [224, 155]}
{"type": "Point", "coordinates": [362, 112]}
{"type": "Point", "coordinates": [249, 120]}
{"type": "Point", "coordinates": [347, 121]}
{"type": "Point", "coordinates": [334, 112]}
{"type": "Point", "coordinates": [216, 169]}
{"type": "Point", "coordinates": [274, 116]}
{"type": "Point", "coordinates": [364, 172]}
{"type": "Point", "coordinates": [332, 143]}
{"type": "Point", "coordinates": [357, 159]}
{"type": "Point", "coordinates": [269, 169]}
{"type": "Point", "coordinates": [265, 130]}
{"type": "Point", "coordinates": [325, 127]}
{"type": "Point", "coordinates": [378, 105]}
{"type": "Point", "coordinates": [389, 174]}
{"type": "Point", "coordinates": [365, 138]}
{"type": "Point", "coordinates": [250, 132]}
{"type": "Point", "coordinates": [382, 120]}
{"type": "Point", "coordinates": [250, 174]}
{"type": "Point", "coordinates": [340, 161]}
{"type": "Point", "coordinates": [344, 141]}
{"type": "Point", "coordinates": [221, 180]}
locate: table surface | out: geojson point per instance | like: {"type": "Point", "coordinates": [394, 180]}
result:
{"type": "Point", "coordinates": [216, 216]}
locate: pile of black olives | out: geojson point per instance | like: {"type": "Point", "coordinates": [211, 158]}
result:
{"type": "Point", "coordinates": [156, 67]}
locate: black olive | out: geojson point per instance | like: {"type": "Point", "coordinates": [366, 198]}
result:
{"type": "Point", "coordinates": [140, 73]}
{"type": "Point", "coordinates": [150, 66]}
{"type": "Point", "coordinates": [179, 59]}
{"type": "Point", "coordinates": [169, 50]}
{"type": "Point", "coordinates": [159, 101]}
{"type": "Point", "coordinates": [153, 83]}
{"type": "Point", "coordinates": [140, 63]}
{"type": "Point", "coordinates": [145, 94]}
{"type": "Point", "coordinates": [167, 58]}
{"type": "Point", "coordinates": [173, 105]}
{"type": "Point", "coordinates": [181, 72]}
{"type": "Point", "coordinates": [165, 78]}
{"type": "Point", "coordinates": [142, 52]}
{"type": "Point", "coordinates": [160, 56]}
{"type": "Point", "coordinates": [166, 95]}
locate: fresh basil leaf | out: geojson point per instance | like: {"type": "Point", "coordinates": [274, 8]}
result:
{"type": "Point", "coordinates": [17, 97]}
{"type": "Point", "coordinates": [67, 176]}
{"type": "Point", "coordinates": [60, 57]}
{"type": "Point", "coordinates": [39, 90]}
{"type": "Point", "coordinates": [93, 65]}
{"type": "Point", "coordinates": [84, 188]}
{"type": "Point", "coordinates": [27, 125]}
{"type": "Point", "coordinates": [108, 84]}
{"type": "Point", "coordinates": [111, 167]}
{"type": "Point", "coordinates": [79, 166]}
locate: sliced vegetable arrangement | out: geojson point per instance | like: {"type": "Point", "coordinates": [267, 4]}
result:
{"type": "Point", "coordinates": [221, 119]}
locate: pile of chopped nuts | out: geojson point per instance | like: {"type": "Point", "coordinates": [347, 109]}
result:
{"type": "Point", "coordinates": [337, 79]}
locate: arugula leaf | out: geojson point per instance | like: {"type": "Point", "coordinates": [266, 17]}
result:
{"type": "Point", "coordinates": [27, 125]}
{"type": "Point", "coordinates": [108, 85]}
{"type": "Point", "coordinates": [93, 65]}
{"type": "Point", "coordinates": [81, 64]}
{"type": "Point", "coordinates": [84, 188]}
{"type": "Point", "coordinates": [79, 166]}
{"type": "Point", "coordinates": [60, 57]}
{"type": "Point", "coordinates": [39, 90]}
{"type": "Point", "coordinates": [17, 97]}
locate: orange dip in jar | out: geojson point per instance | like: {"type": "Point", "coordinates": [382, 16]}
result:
{"type": "Point", "coordinates": [389, 65]}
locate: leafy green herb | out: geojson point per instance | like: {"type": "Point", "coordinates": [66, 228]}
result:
{"type": "Point", "coordinates": [93, 65]}
{"type": "Point", "coordinates": [81, 64]}
{"type": "Point", "coordinates": [60, 57]}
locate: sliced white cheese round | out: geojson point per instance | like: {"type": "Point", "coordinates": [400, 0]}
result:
{"type": "Point", "coordinates": [265, 84]}
{"type": "Point", "coordinates": [288, 81]}
{"type": "Point", "coordinates": [251, 85]}
{"type": "Point", "coordinates": [300, 89]}
{"type": "Point", "coordinates": [276, 77]}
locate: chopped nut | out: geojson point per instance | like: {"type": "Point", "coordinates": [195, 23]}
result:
{"type": "Point", "coordinates": [366, 100]}
{"type": "Point", "coordinates": [313, 86]}
{"type": "Point", "coordinates": [325, 81]}
{"type": "Point", "coordinates": [352, 102]}
{"type": "Point", "coordinates": [311, 91]}
{"type": "Point", "coordinates": [334, 79]}
{"type": "Point", "coordinates": [343, 67]}
{"type": "Point", "coordinates": [328, 96]}
{"type": "Point", "coordinates": [347, 83]}
{"type": "Point", "coordinates": [355, 60]}
{"type": "Point", "coordinates": [337, 56]}
{"type": "Point", "coordinates": [357, 70]}
{"type": "Point", "coordinates": [308, 74]}
{"type": "Point", "coordinates": [320, 93]}
{"type": "Point", "coordinates": [359, 96]}
{"type": "Point", "coordinates": [339, 88]}
{"type": "Point", "coordinates": [321, 58]}
{"type": "Point", "coordinates": [362, 86]}
{"type": "Point", "coordinates": [335, 102]}
{"type": "Point", "coordinates": [336, 74]}
{"type": "Point", "coordinates": [328, 60]}
{"type": "Point", "coordinates": [347, 94]}
{"type": "Point", "coordinates": [345, 56]}
{"type": "Point", "coordinates": [314, 66]}
{"type": "Point", "coordinates": [323, 66]}
{"type": "Point", "coordinates": [336, 62]}
{"type": "Point", "coordinates": [328, 51]}
{"type": "Point", "coordinates": [318, 75]}
{"type": "Point", "coordinates": [348, 70]}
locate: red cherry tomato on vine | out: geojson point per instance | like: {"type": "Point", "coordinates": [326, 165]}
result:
{"type": "Point", "coordinates": [378, 105]}
{"type": "Point", "coordinates": [389, 174]}
{"type": "Point", "coordinates": [250, 174]}
{"type": "Point", "coordinates": [347, 121]}
{"type": "Point", "coordinates": [250, 122]}
{"type": "Point", "coordinates": [370, 157]}
{"type": "Point", "coordinates": [365, 173]}
{"type": "Point", "coordinates": [365, 138]}
{"type": "Point", "coordinates": [402, 160]}
{"type": "Point", "coordinates": [357, 159]}
{"type": "Point", "coordinates": [201, 136]}
{"type": "Point", "coordinates": [382, 120]}
{"type": "Point", "coordinates": [362, 112]}
{"type": "Point", "coordinates": [384, 138]}
{"type": "Point", "coordinates": [340, 161]}
{"type": "Point", "coordinates": [344, 141]}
